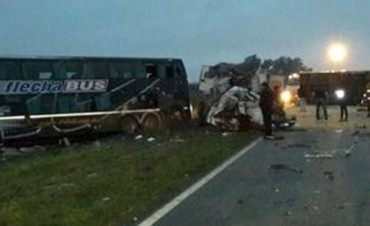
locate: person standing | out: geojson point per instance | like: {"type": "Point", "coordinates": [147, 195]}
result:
{"type": "Point", "coordinates": [267, 104]}
{"type": "Point", "coordinates": [320, 97]}
{"type": "Point", "coordinates": [342, 100]}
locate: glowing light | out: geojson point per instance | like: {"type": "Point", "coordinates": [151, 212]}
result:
{"type": "Point", "coordinates": [286, 96]}
{"type": "Point", "coordinates": [337, 52]}
{"type": "Point", "coordinates": [340, 93]}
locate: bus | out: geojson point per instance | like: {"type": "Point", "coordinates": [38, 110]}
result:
{"type": "Point", "coordinates": [64, 96]}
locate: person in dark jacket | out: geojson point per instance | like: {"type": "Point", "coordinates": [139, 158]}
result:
{"type": "Point", "coordinates": [320, 96]}
{"type": "Point", "coordinates": [342, 101]}
{"type": "Point", "coordinates": [267, 105]}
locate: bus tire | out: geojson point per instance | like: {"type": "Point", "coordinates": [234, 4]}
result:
{"type": "Point", "coordinates": [151, 121]}
{"type": "Point", "coordinates": [129, 125]}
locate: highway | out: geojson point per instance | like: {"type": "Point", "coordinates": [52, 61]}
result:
{"type": "Point", "coordinates": [317, 175]}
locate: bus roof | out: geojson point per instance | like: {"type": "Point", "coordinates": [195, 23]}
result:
{"type": "Point", "coordinates": [14, 57]}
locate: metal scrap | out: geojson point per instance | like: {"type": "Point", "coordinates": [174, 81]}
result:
{"type": "Point", "coordinates": [285, 167]}
{"type": "Point", "coordinates": [329, 175]}
{"type": "Point", "coordinates": [332, 153]}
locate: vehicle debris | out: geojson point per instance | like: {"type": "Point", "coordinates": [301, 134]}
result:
{"type": "Point", "coordinates": [285, 167]}
{"type": "Point", "coordinates": [138, 137]}
{"type": "Point", "coordinates": [331, 154]}
{"type": "Point", "coordinates": [230, 96]}
{"type": "Point", "coordinates": [150, 139]}
{"type": "Point", "coordinates": [298, 145]}
{"type": "Point", "coordinates": [361, 127]}
{"type": "Point", "coordinates": [65, 141]}
{"type": "Point", "coordinates": [8, 151]}
{"type": "Point", "coordinates": [318, 156]}
{"type": "Point", "coordinates": [225, 134]}
{"type": "Point", "coordinates": [329, 175]}
{"type": "Point", "coordinates": [105, 199]}
{"type": "Point", "coordinates": [96, 144]}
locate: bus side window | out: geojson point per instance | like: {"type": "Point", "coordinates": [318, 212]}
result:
{"type": "Point", "coordinates": [2, 70]}
{"type": "Point", "coordinates": [121, 70]}
{"type": "Point", "coordinates": [179, 72]}
{"type": "Point", "coordinates": [13, 70]}
{"type": "Point", "coordinates": [95, 69]}
{"type": "Point", "coordinates": [73, 70]}
{"type": "Point", "coordinates": [139, 69]}
{"type": "Point", "coordinates": [34, 70]}
{"type": "Point", "coordinates": [170, 72]}
{"type": "Point", "coordinates": [59, 70]}
{"type": "Point", "coordinates": [151, 71]}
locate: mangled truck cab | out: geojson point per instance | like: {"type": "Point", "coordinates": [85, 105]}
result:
{"type": "Point", "coordinates": [230, 99]}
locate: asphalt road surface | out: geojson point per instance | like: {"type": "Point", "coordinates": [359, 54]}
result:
{"type": "Point", "coordinates": [318, 175]}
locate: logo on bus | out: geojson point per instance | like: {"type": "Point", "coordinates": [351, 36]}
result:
{"type": "Point", "coordinates": [48, 86]}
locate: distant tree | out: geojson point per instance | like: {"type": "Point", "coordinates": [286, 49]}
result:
{"type": "Point", "coordinates": [242, 73]}
{"type": "Point", "coordinates": [286, 65]}
{"type": "Point", "coordinates": [267, 64]}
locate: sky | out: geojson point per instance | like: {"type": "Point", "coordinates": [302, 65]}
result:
{"type": "Point", "coordinates": [201, 32]}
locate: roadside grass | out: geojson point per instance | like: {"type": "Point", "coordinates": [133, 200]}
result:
{"type": "Point", "coordinates": [116, 183]}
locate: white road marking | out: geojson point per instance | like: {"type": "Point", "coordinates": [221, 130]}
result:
{"type": "Point", "coordinates": [177, 200]}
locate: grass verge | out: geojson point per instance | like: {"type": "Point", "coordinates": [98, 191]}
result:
{"type": "Point", "coordinates": [111, 184]}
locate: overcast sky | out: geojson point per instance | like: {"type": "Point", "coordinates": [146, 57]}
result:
{"type": "Point", "coordinates": [200, 32]}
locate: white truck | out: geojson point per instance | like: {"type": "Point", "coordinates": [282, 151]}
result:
{"type": "Point", "coordinates": [230, 105]}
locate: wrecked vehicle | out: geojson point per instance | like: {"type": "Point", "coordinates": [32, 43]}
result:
{"type": "Point", "coordinates": [230, 98]}
{"type": "Point", "coordinates": [56, 97]}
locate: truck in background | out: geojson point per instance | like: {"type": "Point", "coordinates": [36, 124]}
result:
{"type": "Point", "coordinates": [354, 82]}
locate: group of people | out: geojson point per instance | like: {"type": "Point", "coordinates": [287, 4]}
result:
{"type": "Point", "coordinates": [268, 104]}
{"type": "Point", "coordinates": [321, 96]}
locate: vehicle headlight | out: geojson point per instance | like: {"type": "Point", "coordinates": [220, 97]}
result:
{"type": "Point", "coordinates": [339, 93]}
{"type": "Point", "coordinates": [286, 96]}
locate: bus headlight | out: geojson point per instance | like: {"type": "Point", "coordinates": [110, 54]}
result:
{"type": "Point", "coordinates": [286, 96]}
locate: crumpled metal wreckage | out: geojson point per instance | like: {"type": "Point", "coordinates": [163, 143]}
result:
{"type": "Point", "coordinates": [238, 108]}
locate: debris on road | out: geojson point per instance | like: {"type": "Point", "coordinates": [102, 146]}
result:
{"type": "Point", "coordinates": [361, 127]}
{"type": "Point", "coordinates": [150, 139]}
{"type": "Point", "coordinates": [298, 145]}
{"type": "Point", "coordinates": [177, 140]}
{"type": "Point", "coordinates": [225, 134]}
{"type": "Point", "coordinates": [138, 137]}
{"type": "Point", "coordinates": [331, 154]}
{"type": "Point", "coordinates": [329, 175]}
{"type": "Point", "coordinates": [285, 167]}
{"type": "Point", "coordinates": [8, 151]}
{"type": "Point", "coordinates": [66, 142]}
{"type": "Point", "coordinates": [318, 156]}
{"type": "Point", "coordinates": [106, 199]}
{"type": "Point", "coordinates": [97, 144]}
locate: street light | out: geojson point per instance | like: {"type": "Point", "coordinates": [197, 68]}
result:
{"type": "Point", "coordinates": [337, 52]}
